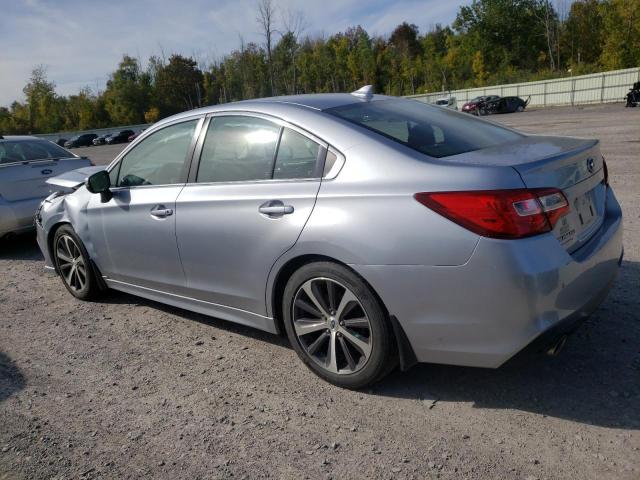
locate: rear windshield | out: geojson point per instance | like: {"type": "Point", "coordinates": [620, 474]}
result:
{"type": "Point", "coordinates": [436, 132]}
{"type": "Point", "coordinates": [26, 150]}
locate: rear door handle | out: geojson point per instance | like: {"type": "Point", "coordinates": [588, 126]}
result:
{"type": "Point", "coordinates": [275, 208]}
{"type": "Point", "coordinates": [161, 212]}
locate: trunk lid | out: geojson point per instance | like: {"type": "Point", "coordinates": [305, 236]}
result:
{"type": "Point", "coordinates": [578, 171]}
{"type": "Point", "coordinates": [27, 180]}
{"type": "Point", "coordinates": [573, 165]}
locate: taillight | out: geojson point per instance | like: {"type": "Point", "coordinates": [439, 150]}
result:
{"type": "Point", "coordinates": [500, 213]}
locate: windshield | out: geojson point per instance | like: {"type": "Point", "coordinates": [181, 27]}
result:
{"type": "Point", "coordinates": [26, 150]}
{"type": "Point", "coordinates": [436, 132]}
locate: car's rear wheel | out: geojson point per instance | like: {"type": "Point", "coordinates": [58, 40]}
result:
{"type": "Point", "coordinates": [73, 264]}
{"type": "Point", "coordinates": [337, 325]}
{"type": "Point", "coordinates": [519, 108]}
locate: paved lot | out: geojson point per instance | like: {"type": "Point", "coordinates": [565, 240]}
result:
{"type": "Point", "coordinates": [126, 388]}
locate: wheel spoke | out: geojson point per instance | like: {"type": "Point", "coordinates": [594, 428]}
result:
{"type": "Point", "coordinates": [361, 345]}
{"type": "Point", "coordinates": [331, 293]}
{"type": "Point", "coordinates": [307, 307]}
{"type": "Point", "coordinates": [312, 294]}
{"type": "Point", "coordinates": [304, 326]}
{"type": "Point", "coordinates": [317, 343]}
{"type": "Point", "coordinates": [332, 358]}
{"type": "Point", "coordinates": [347, 353]}
{"type": "Point", "coordinates": [347, 302]}
{"type": "Point", "coordinates": [361, 322]}
{"type": "Point", "coordinates": [69, 276]}
{"type": "Point", "coordinates": [63, 257]}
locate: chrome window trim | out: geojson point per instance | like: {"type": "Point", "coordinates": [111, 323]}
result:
{"type": "Point", "coordinates": [324, 145]}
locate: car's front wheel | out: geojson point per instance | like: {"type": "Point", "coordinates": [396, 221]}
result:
{"type": "Point", "coordinates": [73, 264]}
{"type": "Point", "coordinates": [337, 326]}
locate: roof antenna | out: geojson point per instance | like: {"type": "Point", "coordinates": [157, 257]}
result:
{"type": "Point", "coordinates": [365, 92]}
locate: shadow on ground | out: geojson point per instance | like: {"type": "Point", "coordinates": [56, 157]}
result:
{"type": "Point", "coordinates": [11, 380]}
{"type": "Point", "coordinates": [595, 379]}
{"type": "Point", "coordinates": [20, 247]}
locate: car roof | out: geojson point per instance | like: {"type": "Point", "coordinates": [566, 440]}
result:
{"type": "Point", "coordinates": [313, 101]}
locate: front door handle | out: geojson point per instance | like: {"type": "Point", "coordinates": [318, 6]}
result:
{"type": "Point", "coordinates": [275, 208]}
{"type": "Point", "coordinates": [161, 212]}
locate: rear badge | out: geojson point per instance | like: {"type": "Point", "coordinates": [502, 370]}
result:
{"type": "Point", "coordinates": [566, 233]}
{"type": "Point", "coordinates": [591, 165]}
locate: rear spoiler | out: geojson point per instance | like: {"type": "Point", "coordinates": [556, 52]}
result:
{"type": "Point", "coordinates": [74, 178]}
{"type": "Point", "coordinates": [526, 102]}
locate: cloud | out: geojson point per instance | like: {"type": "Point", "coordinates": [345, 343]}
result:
{"type": "Point", "coordinates": [81, 42]}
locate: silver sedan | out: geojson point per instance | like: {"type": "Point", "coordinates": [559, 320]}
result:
{"type": "Point", "coordinates": [374, 231]}
{"type": "Point", "coordinates": [26, 163]}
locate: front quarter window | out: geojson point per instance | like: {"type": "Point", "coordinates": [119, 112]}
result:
{"type": "Point", "coordinates": [158, 159]}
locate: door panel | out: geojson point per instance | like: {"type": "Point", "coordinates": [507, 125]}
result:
{"type": "Point", "coordinates": [228, 246]}
{"type": "Point", "coordinates": [133, 235]}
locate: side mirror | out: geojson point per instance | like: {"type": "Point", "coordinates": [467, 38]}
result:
{"type": "Point", "coordinates": [99, 182]}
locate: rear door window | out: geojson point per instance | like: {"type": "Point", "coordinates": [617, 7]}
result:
{"type": "Point", "coordinates": [297, 156]}
{"type": "Point", "coordinates": [238, 148]}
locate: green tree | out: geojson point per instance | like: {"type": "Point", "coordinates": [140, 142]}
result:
{"type": "Point", "coordinates": [178, 85]}
{"type": "Point", "coordinates": [128, 93]}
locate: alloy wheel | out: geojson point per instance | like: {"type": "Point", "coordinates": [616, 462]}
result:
{"type": "Point", "coordinates": [71, 264]}
{"type": "Point", "coordinates": [332, 326]}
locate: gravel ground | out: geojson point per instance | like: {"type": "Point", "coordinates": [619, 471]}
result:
{"type": "Point", "coordinates": [127, 388]}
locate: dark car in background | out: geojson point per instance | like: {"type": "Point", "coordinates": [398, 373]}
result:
{"type": "Point", "coordinates": [121, 137]}
{"type": "Point", "coordinates": [135, 135]}
{"type": "Point", "coordinates": [102, 139]}
{"type": "Point", "coordinates": [503, 105]}
{"type": "Point", "coordinates": [60, 142]}
{"type": "Point", "coordinates": [84, 140]}
{"type": "Point", "coordinates": [473, 105]}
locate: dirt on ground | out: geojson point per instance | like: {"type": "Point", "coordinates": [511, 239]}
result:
{"type": "Point", "coordinates": [128, 388]}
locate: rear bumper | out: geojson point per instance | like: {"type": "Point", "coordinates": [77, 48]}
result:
{"type": "Point", "coordinates": [17, 216]}
{"type": "Point", "coordinates": [508, 294]}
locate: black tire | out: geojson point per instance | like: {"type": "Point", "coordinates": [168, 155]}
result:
{"type": "Point", "coordinates": [380, 360]}
{"type": "Point", "coordinates": [68, 246]}
{"type": "Point", "coordinates": [519, 109]}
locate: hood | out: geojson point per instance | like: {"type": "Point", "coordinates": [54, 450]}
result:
{"type": "Point", "coordinates": [74, 178]}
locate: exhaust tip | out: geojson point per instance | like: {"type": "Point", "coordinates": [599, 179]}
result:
{"type": "Point", "coordinates": [558, 345]}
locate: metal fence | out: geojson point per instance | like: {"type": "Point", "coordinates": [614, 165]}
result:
{"type": "Point", "coordinates": [98, 131]}
{"type": "Point", "coordinates": [602, 87]}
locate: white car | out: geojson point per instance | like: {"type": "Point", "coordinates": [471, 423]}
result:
{"type": "Point", "coordinates": [449, 102]}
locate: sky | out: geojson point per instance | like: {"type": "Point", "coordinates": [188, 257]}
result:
{"type": "Point", "coordinates": [81, 41]}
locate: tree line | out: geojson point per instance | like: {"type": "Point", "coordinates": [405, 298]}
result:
{"type": "Point", "coordinates": [489, 42]}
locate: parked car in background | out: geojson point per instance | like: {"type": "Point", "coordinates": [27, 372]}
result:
{"type": "Point", "coordinates": [135, 135]}
{"type": "Point", "coordinates": [120, 137]}
{"type": "Point", "coordinates": [102, 139]}
{"type": "Point", "coordinates": [25, 165]}
{"type": "Point", "coordinates": [449, 102]}
{"type": "Point", "coordinates": [502, 105]}
{"type": "Point", "coordinates": [84, 140]}
{"type": "Point", "coordinates": [352, 222]}
{"type": "Point", "coordinates": [61, 142]}
{"type": "Point", "coordinates": [472, 105]}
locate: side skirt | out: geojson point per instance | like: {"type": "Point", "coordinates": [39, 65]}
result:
{"type": "Point", "coordinates": [223, 312]}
